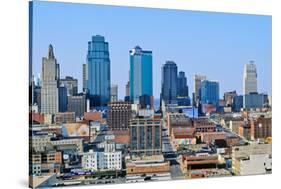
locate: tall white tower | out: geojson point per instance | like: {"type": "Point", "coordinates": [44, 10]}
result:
{"type": "Point", "coordinates": [250, 78]}
{"type": "Point", "coordinates": [50, 82]}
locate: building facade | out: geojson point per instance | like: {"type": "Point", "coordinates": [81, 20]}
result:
{"type": "Point", "coordinates": [210, 92]}
{"type": "Point", "coordinates": [140, 74]}
{"type": "Point", "coordinates": [145, 136]}
{"type": "Point", "coordinates": [254, 100]}
{"type": "Point", "coordinates": [77, 104]}
{"type": "Point", "coordinates": [119, 115]}
{"type": "Point", "coordinates": [250, 78]}
{"type": "Point", "coordinates": [71, 84]}
{"type": "Point", "coordinates": [197, 88]}
{"type": "Point", "coordinates": [98, 69]}
{"type": "Point", "coordinates": [113, 93]}
{"type": "Point", "coordinates": [169, 82]}
{"type": "Point", "coordinates": [182, 87]}
{"type": "Point", "coordinates": [62, 99]}
{"type": "Point", "coordinates": [84, 76]}
{"type": "Point", "coordinates": [50, 83]}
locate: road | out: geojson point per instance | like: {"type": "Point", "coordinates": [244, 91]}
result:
{"type": "Point", "coordinates": [170, 155]}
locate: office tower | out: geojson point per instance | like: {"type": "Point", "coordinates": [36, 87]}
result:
{"type": "Point", "coordinates": [250, 78]}
{"type": "Point", "coordinates": [50, 82]}
{"type": "Point", "coordinates": [169, 82]}
{"type": "Point", "coordinates": [228, 97]}
{"type": "Point", "coordinates": [119, 114]}
{"type": "Point", "coordinates": [145, 136]}
{"type": "Point", "coordinates": [77, 104]}
{"type": "Point", "coordinates": [98, 65]}
{"type": "Point", "coordinates": [197, 88]}
{"type": "Point", "coordinates": [237, 103]}
{"type": "Point", "coordinates": [182, 87]}
{"type": "Point", "coordinates": [140, 73]}
{"type": "Point", "coordinates": [146, 102]}
{"type": "Point", "coordinates": [254, 100]}
{"type": "Point", "coordinates": [70, 84]}
{"type": "Point", "coordinates": [113, 93]}
{"type": "Point", "coordinates": [209, 92]}
{"type": "Point", "coordinates": [84, 77]}
{"type": "Point", "coordinates": [62, 99]}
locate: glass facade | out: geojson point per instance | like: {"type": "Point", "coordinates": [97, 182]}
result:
{"type": "Point", "coordinates": [169, 82]}
{"type": "Point", "coordinates": [98, 64]}
{"type": "Point", "coordinates": [140, 74]}
{"type": "Point", "coordinates": [209, 92]}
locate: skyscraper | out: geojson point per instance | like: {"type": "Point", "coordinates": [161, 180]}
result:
{"type": "Point", "coordinates": [62, 99]}
{"type": "Point", "coordinates": [169, 82]}
{"type": "Point", "coordinates": [197, 87]}
{"type": "Point", "coordinates": [113, 93]}
{"type": "Point", "coordinates": [182, 87]}
{"type": "Point", "coordinates": [98, 65]}
{"type": "Point", "coordinates": [71, 84]}
{"type": "Point", "coordinates": [84, 76]}
{"type": "Point", "coordinates": [50, 82]}
{"type": "Point", "coordinates": [250, 78]}
{"type": "Point", "coordinates": [209, 92]}
{"type": "Point", "coordinates": [140, 73]}
{"type": "Point", "coordinates": [77, 104]}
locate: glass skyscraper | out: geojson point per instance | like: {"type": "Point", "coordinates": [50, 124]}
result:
{"type": "Point", "coordinates": [98, 67]}
{"type": "Point", "coordinates": [169, 82]}
{"type": "Point", "coordinates": [182, 85]}
{"type": "Point", "coordinates": [209, 92]}
{"type": "Point", "coordinates": [140, 74]}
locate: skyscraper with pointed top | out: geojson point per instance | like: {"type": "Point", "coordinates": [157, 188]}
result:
{"type": "Point", "coordinates": [50, 83]}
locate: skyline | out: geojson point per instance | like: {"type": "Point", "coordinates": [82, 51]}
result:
{"type": "Point", "coordinates": [254, 35]}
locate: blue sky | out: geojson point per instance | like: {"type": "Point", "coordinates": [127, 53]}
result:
{"type": "Point", "coordinates": [213, 44]}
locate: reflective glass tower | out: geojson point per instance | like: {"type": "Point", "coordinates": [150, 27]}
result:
{"type": "Point", "coordinates": [210, 92]}
{"type": "Point", "coordinates": [98, 68]}
{"type": "Point", "coordinates": [140, 74]}
{"type": "Point", "coordinates": [169, 82]}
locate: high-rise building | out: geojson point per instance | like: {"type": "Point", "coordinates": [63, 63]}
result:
{"type": "Point", "coordinates": [169, 82]}
{"type": "Point", "coordinates": [197, 88]}
{"type": "Point", "coordinates": [145, 136]}
{"type": "Point", "coordinates": [250, 78]}
{"type": "Point", "coordinates": [98, 66]}
{"type": "Point", "coordinates": [62, 99]}
{"type": "Point", "coordinates": [209, 92]}
{"type": "Point", "coordinates": [237, 103]}
{"type": "Point", "coordinates": [228, 97]}
{"type": "Point", "coordinates": [70, 84]}
{"type": "Point", "coordinates": [84, 76]}
{"type": "Point", "coordinates": [77, 104]}
{"type": "Point", "coordinates": [127, 89]}
{"type": "Point", "coordinates": [119, 114]}
{"type": "Point", "coordinates": [113, 93]}
{"type": "Point", "coordinates": [182, 87]}
{"type": "Point", "coordinates": [254, 100]}
{"type": "Point", "coordinates": [50, 82]}
{"type": "Point", "coordinates": [140, 73]}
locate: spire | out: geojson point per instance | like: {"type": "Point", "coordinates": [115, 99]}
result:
{"type": "Point", "coordinates": [51, 52]}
